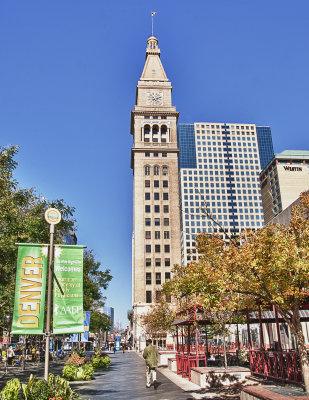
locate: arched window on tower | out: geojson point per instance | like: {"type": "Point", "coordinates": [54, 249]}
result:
{"type": "Point", "coordinates": [164, 170]}
{"type": "Point", "coordinates": [164, 138]}
{"type": "Point", "coordinates": [155, 133]}
{"type": "Point", "coordinates": [156, 170]}
{"type": "Point", "coordinates": [146, 133]}
{"type": "Point", "coordinates": [147, 170]}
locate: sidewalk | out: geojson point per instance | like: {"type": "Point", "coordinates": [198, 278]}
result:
{"type": "Point", "coordinates": [126, 379]}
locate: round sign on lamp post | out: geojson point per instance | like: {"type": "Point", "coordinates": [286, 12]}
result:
{"type": "Point", "coordinates": [52, 216]}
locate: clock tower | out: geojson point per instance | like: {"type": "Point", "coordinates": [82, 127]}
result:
{"type": "Point", "coordinates": [156, 216]}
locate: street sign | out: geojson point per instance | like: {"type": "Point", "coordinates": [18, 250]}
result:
{"type": "Point", "coordinates": [52, 216]}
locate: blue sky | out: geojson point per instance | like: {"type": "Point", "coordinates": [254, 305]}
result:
{"type": "Point", "coordinates": [68, 75]}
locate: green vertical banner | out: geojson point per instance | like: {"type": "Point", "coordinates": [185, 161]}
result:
{"type": "Point", "coordinates": [30, 289]}
{"type": "Point", "coordinates": [68, 316]}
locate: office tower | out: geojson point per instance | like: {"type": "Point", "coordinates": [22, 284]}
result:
{"type": "Point", "coordinates": [154, 160]}
{"type": "Point", "coordinates": [282, 181]}
{"type": "Point", "coordinates": [265, 143]}
{"type": "Point", "coordinates": [219, 166]}
{"type": "Point", "coordinates": [109, 311]}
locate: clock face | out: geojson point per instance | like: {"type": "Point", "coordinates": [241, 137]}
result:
{"type": "Point", "coordinates": [154, 98]}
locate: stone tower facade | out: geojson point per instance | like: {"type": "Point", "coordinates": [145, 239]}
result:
{"type": "Point", "coordinates": [156, 243]}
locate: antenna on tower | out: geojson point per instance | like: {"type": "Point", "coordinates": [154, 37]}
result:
{"type": "Point", "coordinates": [153, 13]}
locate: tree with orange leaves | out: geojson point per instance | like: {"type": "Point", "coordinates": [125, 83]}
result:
{"type": "Point", "coordinates": [270, 267]}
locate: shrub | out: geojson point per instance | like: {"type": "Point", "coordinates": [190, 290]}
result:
{"type": "Point", "coordinates": [80, 352]}
{"type": "Point", "coordinates": [88, 372]}
{"type": "Point", "coordinates": [69, 371]}
{"type": "Point", "coordinates": [100, 362]}
{"type": "Point", "coordinates": [96, 362]}
{"type": "Point", "coordinates": [57, 388]}
{"type": "Point", "coordinates": [39, 390]}
{"type": "Point", "coordinates": [76, 360]}
{"type": "Point", "coordinates": [11, 390]}
{"type": "Point", "coordinates": [106, 362]}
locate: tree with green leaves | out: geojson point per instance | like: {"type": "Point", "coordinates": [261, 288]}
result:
{"type": "Point", "coordinates": [99, 322]}
{"type": "Point", "coordinates": [95, 279]}
{"type": "Point", "coordinates": [22, 221]}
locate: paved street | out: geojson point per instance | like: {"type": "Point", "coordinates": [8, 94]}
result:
{"type": "Point", "coordinates": [125, 379]}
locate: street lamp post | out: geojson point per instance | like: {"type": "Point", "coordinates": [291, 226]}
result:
{"type": "Point", "coordinates": [53, 217]}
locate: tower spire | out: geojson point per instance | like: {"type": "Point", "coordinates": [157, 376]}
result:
{"type": "Point", "coordinates": [153, 13]}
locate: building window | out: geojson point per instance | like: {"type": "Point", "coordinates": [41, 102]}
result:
{"type": "Point", "coordinates": [166, 234]}
{"type": "Point", "coordinates": [158, 278]}
{"type": "Point", "coordinates": [165, 196]}
{"type": "Point", "coordinates": [148, 262]}
{"type": "Point", "coordinates": [147, 235]}
{"type": "Point", "coordinates": [167, 262]}
{"type": "Point", "coordinates": [148, 296]}
{"type": "Point", "coordinates": [158, 295]}
{"type": "Point", "coordinates": [156, 209]}
{"type": "Point", "coordinates": [158, 262]}
{"type": "Point", "coordinates": [165, 184]}
{"type": "Point", "coordinates": [157, 248]}
{"type": "Point", "coordinates": [156, 170]}
{"type": "Point", "coordinates": [147, 170]}
{"type": "Point", "coordinates": [147, 183]}
{"type": "Point", "coordinates": [157, 221]}
{"type": "Point", "coordinates": [157, 234]}
{"type": "Point", "coordinates": [167, 276]}
{"type": "Point", "coordinates": [165, 208]}
{"type": "Point", "coordinates": [155, 130]}
{"type": "Point", "coordinates": [164, 170]}
{"type": "Point", "coordinates": [147, 154]}
{"type": "Point", "coordinates": [156, 154]}
{"type": "Point", "coordinates": [166, 248]}
{"type": "Point", "coordinates": [156, 184]}
{"type": "Point", "coordinates": [147, 209]}
{"type": "Point", "coordinates": [147, 222]}
{"type": "Point", "coordinates": [164, 154]}
{"type": "Point", "coordinates": [157, 196]}
{"type": "Point", "coordinates": [147, 196]}
{"type": "Point", "coordinates": [148, 248]}
{"type": "Point", "coordinates": [166, 222]}
{"type": "Point", "coordinates": [148, 278]}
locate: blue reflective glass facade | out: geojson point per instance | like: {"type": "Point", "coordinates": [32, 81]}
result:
{"type": "Point", "coordinates": [266, 148]}
{"type": "Point", "coordinates": [186, 143]}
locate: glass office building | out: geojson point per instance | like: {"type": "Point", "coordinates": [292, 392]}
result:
{"type": "Point", "coordinates": [219, 166]}
{"type": "Point", "coordinates": [265, 141]}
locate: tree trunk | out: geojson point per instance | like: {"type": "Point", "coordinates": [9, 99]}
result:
{"type": "Point", "coordinates": [303, 357]}
{"type": "Point", "coordinates": [296, 328]}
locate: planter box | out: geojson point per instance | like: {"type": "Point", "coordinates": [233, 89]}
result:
{"type": "Point", "coordinates": [172, 364]}
{"type": "Point", "coordinates": [164, 355]}
{"type": "Point", "coordinates": [261, 393]}
{"type": "Point", "coordinates": [216, 377]}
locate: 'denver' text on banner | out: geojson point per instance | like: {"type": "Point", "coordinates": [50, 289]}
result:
{"type": "Point", "coordinates": [68, 316]}
{"type": "Point", "coordinates": [29, 305]}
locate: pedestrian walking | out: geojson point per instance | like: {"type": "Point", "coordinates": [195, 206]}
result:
{"type": "Point", "coordinates": [150, 355]}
